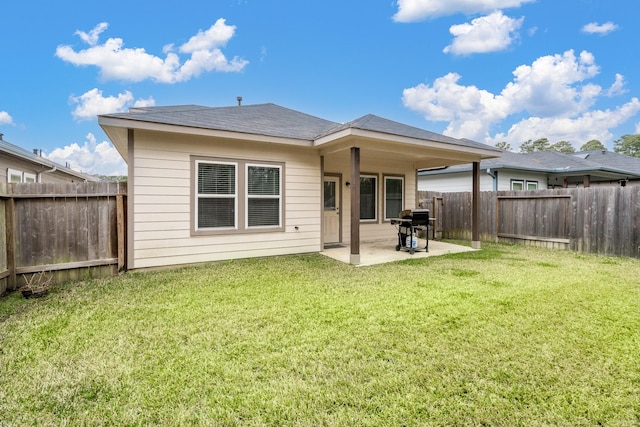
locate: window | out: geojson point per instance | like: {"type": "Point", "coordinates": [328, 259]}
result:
{"type": "Point", "coordinates": [236, 196]}
{"type": "Point", "coordinates": [368, 197]}
{"type": "Point", "coordinates": [14, 175]}
{"type": "Point", "coordinates": [216, 201]}
{"type": "Point", "coordinates": [393, 196]}
{"type": "Point", "coordinates": [520, 184]}
{"type": "Point", "coordinates": [29, 177]}
{"type": "Point", "coordinates": [264, 203]}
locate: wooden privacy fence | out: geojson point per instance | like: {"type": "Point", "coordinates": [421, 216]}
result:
{"type": "Point", "coordinates": [603, 220]}
{"type": "Point", "coordinates": [68, 230]}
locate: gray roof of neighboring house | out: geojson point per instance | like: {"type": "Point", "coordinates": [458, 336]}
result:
{"type": "Point", "coordinates": [612, 159]}
{"type": "Point", "coordinates": [276, 121]}
{"type": "Point", "coordinates": [14, 150]}
{"type": "Point", "coordinates": [555, 162]}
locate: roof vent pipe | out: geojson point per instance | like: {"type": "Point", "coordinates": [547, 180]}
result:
{"type": "Point", "coordinates": [239, 100]}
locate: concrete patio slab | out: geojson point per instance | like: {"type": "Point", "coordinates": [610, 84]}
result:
{"type": "Point", "coordinates": [383, 251]}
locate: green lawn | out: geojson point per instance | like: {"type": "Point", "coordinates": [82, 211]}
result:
{"type": "Point", "coordinates": [505, 336]}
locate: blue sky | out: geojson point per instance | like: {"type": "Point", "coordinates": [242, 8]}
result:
{"type": "Point", "coordinates": [487, 70]}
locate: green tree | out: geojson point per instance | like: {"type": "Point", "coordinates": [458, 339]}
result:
{"type": "Point", "coordinates": [530, 146]}
{"type": "Point", "coordinates": [629, 145]}
{"type": "Point", "coordinates": [563, 147]}
{"type": "Point", "coordinates": [594, 144]}
{"type": "Point", "coordinates": [504, 145]}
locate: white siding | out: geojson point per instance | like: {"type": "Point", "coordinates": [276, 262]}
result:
{"type": "Point", "coordinates": [162, 205]}
{"type": "Point", "coordinates": [454, 182]}
{"type": "Point", "coordinates": [462, 181]}
{"type": "Point", "coordinates": [505, 176]}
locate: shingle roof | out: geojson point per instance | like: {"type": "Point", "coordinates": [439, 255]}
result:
{"type": "Point", "coordinates": [261, 119]}
{"type": "Point", "coordinates": [378, 124]}
{"type": "Point", "coordinates": [14, 150]}
{"type": "Point", "coordinates": [612, 159]}
{"type": "Point", "coordinates": [276, 121]}
{"type": "Point", "coordinates": [555, 162]}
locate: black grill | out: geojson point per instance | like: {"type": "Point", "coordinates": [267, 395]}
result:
{"type": "Point", "coordinates": [420, 217]}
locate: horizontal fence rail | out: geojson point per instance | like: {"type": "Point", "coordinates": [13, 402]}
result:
{"type": "Point", "coordinates": [68, 231]}
{"type": "Point", "coordinates": [602, 220]}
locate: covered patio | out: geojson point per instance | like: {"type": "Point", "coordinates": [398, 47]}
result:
{"type": "Point", "coordinates": [381, 151]}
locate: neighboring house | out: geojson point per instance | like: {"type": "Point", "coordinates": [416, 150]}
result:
{"type": "Point", "coordinates": [537, 171]}
{"type": "Point", "coordinates": [208, 184]}
{"type": "Point", "coordinates": [18, 165]}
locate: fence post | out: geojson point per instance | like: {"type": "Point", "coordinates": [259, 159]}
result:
{"type": "Point", "coordinates": [475, 207]}
{"type": "Point", "coordinates": [121, 230]}
{"type": "Point", "coordinates": [10, 212]}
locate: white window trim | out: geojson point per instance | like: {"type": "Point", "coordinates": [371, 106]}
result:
{"type": "Point", "coordinates": [248, 196]}
{"type": "Point", "coordinates": [28, 175]}
{"type": "Point", "coordinates": [531, 182]}
{"type": "Point", "coordinates": [199, 196]}
{"type": "Point", "coordinates": [384, 208]}
{"type": "Point", "coordinates": [517, 181]}
{"type": "Point", "coordinates": [241, 202]}
{"type": "Point", "coordinates": [375, 201]}
{"type": "Point", "coordinates": [13, 172]}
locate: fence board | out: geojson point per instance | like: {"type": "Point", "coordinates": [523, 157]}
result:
{"type": "Point", "coordinates": [4, 270]}
{"type": "Point", "coordinates": [69, 229]}
{"type": "Point", "coordinates": [604, 220]}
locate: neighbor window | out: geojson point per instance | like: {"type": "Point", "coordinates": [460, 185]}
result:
{"type": "Point", "coordinates": [236, 195]}
{"type": "Point", "coordinates": [517, 184]}
{"type": "Point", "coordinates": [393, 196]}
{"type": "Point", "coordinates": [532, 185]}
{"type": "Point", "coordinates": [368, 197]}
{"type": "Point", "coordinates": [14, 175]}
{"type": "Point", "coordinates": [216, 201]}
{"type": "Point", "coordinates": [29, 177]}
{"type": "Point", "coordinates": [264, 201]}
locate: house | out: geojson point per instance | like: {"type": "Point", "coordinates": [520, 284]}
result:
{"type": "Point", "coordinates": [218, 183]}
{"type": "Point", "coordinates": [536, 171]}
{"type": "Point", "coordinates": [19, 165]}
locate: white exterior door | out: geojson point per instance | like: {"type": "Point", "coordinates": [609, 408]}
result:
{"type": "Point", "coordinates": [331, 215]}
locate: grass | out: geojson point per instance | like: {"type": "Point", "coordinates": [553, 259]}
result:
{"type": "Point", "coordinates": [505, 336]}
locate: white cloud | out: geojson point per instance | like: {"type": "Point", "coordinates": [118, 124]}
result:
{"type": "Point", "coordinates": [5, 118]}
{"type": "Point", "coordinates": [550, 85]}
{"type": "Point", "coordinates": [617, 88]}
{"type": "Point", "coordinates": [489, 33]}
{"type": "Point", "coordinates": [91, 38]}
{"type": "Point", "coordinates": [577, 130]}
{"type": "Point", "coordinates": [553, 92]}
{"type": "Point", "coordinates": [93, 103]}
{"type": "Point", "coordinates": [216, 36]}
{"type": "Point", "coordinates": [595, 28]}
{"type": "Point", "coordinates": [119, 63]}
{"type": "Point", "coordinates": [418, 10]}
{"type": "Point", "coordinates": [91, 157]}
